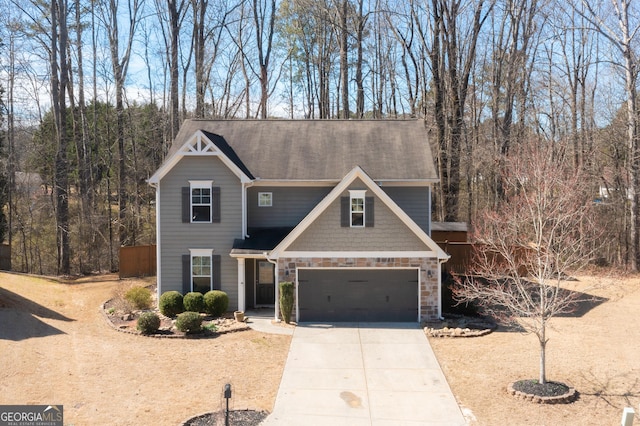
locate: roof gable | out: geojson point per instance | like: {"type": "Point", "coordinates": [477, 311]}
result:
{"type": "Point", "coordinates": [204, 144]}
{"type": "Point", "coordinates": [357, 173]}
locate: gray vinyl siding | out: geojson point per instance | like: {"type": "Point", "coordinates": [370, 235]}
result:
{"type": "Point", "coordinates": [389, 233]}
{"type": "Point", "coordinates": [415, 201]}
{"type": "Point", "coordinates": [176, 237]}
{"type": "Point", "coordinates": [290, 205]}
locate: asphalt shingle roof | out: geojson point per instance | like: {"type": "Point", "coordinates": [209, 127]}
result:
{"type": "Point", "coordinates": [320, 149]}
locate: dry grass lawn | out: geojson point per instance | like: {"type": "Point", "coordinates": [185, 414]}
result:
{"type": "Point", "coordinates": [597, 352]}
{"type": "Point", "coordinates": [56, 348]}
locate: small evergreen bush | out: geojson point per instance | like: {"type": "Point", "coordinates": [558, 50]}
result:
{"type": "Point", "coordinates": [171, 304]}
{"type": "Point", "coordinates": [148, 323]}
{"type": "Point", "coordinates": [193, 301]}
{"type": "Point", "coordinates": [139, 297]}
{"type": "Point", "coordinates": [189, 322]}
{"type": "Point", "coordinates": [286, 300]}
{"type": "Point", "coordinates": [216, 302]}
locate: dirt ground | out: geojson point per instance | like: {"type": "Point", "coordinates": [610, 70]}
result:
{"type": "Point", "coordinates": [56, 348]}
{"type": "Point", "coordinates": [597, 351]}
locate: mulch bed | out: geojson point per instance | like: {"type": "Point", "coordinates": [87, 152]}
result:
{"type": "Point", "coordinates": [236, 417]}
{"type": "Point", "coordinates": [536, 388]}
{"type": "Point", "coordinates": [548, 393]}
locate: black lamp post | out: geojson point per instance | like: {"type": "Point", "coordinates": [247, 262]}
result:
{"type": "Point", "coordinates": [227, 396]}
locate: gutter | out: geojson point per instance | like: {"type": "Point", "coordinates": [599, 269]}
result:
{"type": "Point", "coordinates": [156, 186]}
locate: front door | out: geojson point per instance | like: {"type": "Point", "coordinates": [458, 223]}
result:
{"type": "Point", "coordinates": [265, 285]}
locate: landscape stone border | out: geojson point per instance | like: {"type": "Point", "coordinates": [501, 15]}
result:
{"type": "Point", "coordinates": [459, 326]}
{"type": "Point", "coordinates": [566, 398]}
{"type": "Point", "coordinates": [103, 311]}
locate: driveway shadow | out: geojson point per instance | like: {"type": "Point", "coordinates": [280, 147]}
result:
{"type": "Point", "coordinates": [19, 318]}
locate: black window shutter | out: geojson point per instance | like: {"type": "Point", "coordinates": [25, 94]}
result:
{"type": "Point", "coordinates": [215, 204]}
{"type": "Point", "coordinates": [217, 272]}
{"type": "Point", "coordinates": [345, 212]}
{"type": "Point", "coordinates": [368, 212]}
{"type": "Point", "coordinates": [186, 273]}
{"type": "Point", "coordinates": [186, 204]}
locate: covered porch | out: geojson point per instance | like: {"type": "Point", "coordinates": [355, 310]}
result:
{"type": "Point", "coordinates": [257, 273]}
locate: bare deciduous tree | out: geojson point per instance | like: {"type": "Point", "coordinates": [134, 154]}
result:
{"type": "Point", "coordinates": [451, 42]}
{"type": "Point", "coordinates": [111, 13]}
{"type": "Point", "coordinates": [543, 230]}
{"type": "Point", "coordinates": [622, 33]}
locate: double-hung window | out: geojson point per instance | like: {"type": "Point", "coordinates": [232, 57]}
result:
{"type": "Point", "coordinates": [201, 271]}
{"type": "Point", "coordinates": [201, 205]}
{"type": "Point", "coordinates": [200, 202]}
{"type": "Point", "coordinates": [357, 208]}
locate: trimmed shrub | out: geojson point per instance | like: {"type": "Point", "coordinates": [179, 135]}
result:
{"type": "Point", "coordinates": [189, 322]}
{"type": "Point", "coordinates": [286, 300]}
{"type": "Point", "coordinates": [148, 322]}
{"type": "Point", "coordinates": [193, 301]}
{"type": "Point", "coordinates": [139, 297]}
{"type": "Point", "coordinates": [170, 303]}
{"type": "Point", "coordinates": [216, 302]}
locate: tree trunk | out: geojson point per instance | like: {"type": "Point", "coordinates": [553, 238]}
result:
{"type": "Point", "coordinates": [199, 8]}
{"type": "Point", "coordinates": [59, 79]}
{"type": "Point", "coordinates": [174, 23]}
{"type": "Point", "coordinates": [344, 62]}
{"type": "Point", "coordinates": [361, 22]}
{"type": "Point", "coordinates": [543, 355]}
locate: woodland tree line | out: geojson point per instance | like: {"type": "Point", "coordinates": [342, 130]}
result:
{"type": "Point", "coordinates": [93, 93]}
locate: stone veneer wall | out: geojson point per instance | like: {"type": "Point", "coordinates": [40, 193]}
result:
{"type": "Point", "coordinates": [287, 268]}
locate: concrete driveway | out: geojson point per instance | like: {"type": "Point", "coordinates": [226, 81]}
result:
{"type": "Point", "coordinates": [363, 374]}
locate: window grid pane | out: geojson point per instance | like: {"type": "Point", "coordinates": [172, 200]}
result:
{"type": "Point", "coordinates": [357, 212]}
{"type": "Point", "coordinates": [201, 266]}
{"type": "Point", "coordinates": [265, 199]}
{"type": "Point", "coordinates": [201, 204]}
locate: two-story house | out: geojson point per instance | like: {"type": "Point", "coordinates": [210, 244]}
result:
{"type": "Point", "coordinates": [339, 207]}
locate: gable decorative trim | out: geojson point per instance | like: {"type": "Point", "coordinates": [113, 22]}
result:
{"type": "Point", "coordinates": [198, 145]}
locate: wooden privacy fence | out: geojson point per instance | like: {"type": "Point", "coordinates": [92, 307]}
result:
{"type": "Point", "coordinates": [138, 261]}
{"type": "Point", "coordinates": [460, 253]}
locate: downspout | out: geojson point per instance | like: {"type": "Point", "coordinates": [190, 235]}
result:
{"type": "Point", "coordinates": [242, 278]}
{"type": "Point", "coordinates": [440, 262]}
{"type": "Point", "coordinates": [245, 186]}
{"type": "Point", "coordinates": [277, 287]}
